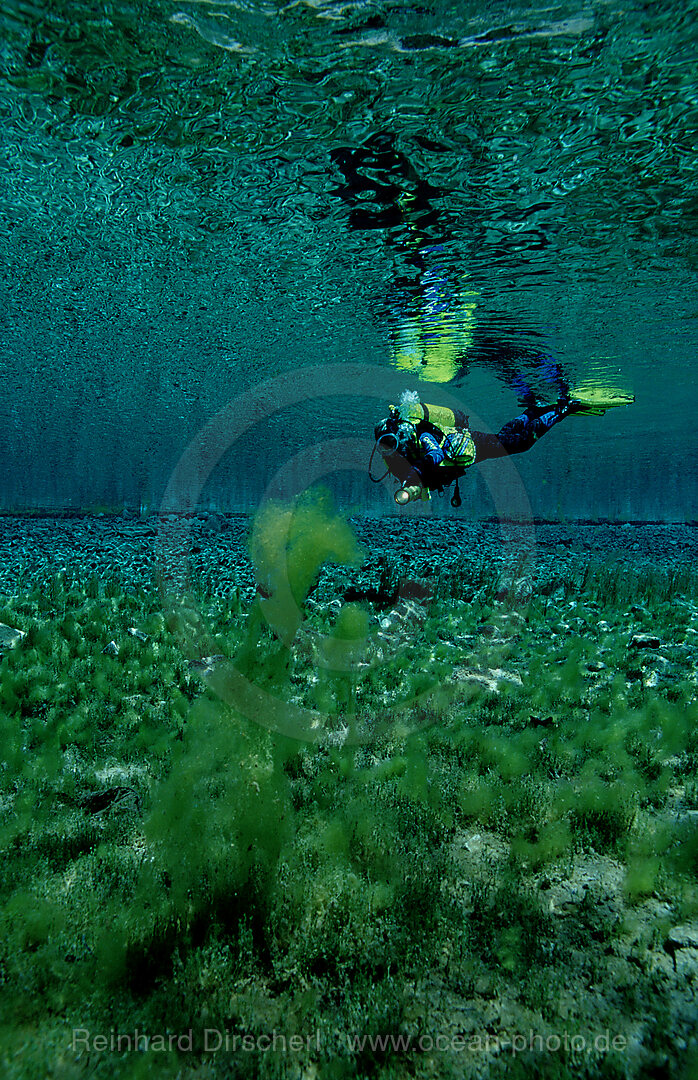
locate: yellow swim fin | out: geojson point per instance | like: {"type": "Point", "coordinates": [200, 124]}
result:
{"type": "Point", "coordinates": [595, 400]}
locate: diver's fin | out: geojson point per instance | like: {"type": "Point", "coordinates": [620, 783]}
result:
{"type": "Point", "coordinates": [595, 400]}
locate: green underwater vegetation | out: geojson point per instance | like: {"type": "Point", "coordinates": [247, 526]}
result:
{"type": "Point", "coordinates": [488, 826]}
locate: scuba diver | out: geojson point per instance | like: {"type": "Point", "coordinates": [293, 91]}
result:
{"type": "Point", "coordinates": [426, 447]}
{"type": "Point", "coordinates": [434, 334]}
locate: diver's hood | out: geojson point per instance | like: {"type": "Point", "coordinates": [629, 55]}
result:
{"type": "Point", "coordinates": [393, 436]}
{"type": "Point", "coordinates": [386, 427]}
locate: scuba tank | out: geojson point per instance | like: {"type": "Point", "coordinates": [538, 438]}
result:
{"type": "Point", "coordinates": [437, 415]}
{"type": "Point", "coordinates": [397, 440]}
{"type": "Point", "coordinates": [448, 426]}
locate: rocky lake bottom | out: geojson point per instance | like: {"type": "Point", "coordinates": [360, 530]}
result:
{"type": "Point", "coordinates": [315, 798]}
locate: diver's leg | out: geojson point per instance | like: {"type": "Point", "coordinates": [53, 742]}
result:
{"type": "Point", "coordinates": [522, 432]}
{"type": "Point", "coordinates": [487, 446]}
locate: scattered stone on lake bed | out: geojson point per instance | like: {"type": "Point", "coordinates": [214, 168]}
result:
{"type": "Point", "coordinates": [412, 609]}
{"type": "Point", "coordinates": [206, 664]}
{"type": "Point", "coordinates": [511, 616]}
{"type": "Point", "coordinates": [644, 641]}
{"type": "Point", "coordinates": [212, 524]}
{"type": "Point", "coordinates": [468, 846]}
{"type": "Point", "coordinates": [10, 637]}
{"type": "Point", "coordinates": [486, 985]}
{"type": "Point", "coordinates": [681, 943]}
{"type": "Point", "coordinates": [518, 589]}
{"type": "Point", "coordinates": [565, 897]}
{"type": "Point", "coordinates": [682, 937]}
{"type": "Point", "coordinates": [596, 665]}
{"type": "Point", "coordinates": [490, 679]}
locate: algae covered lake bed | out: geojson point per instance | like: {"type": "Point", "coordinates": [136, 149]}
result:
{"type": "Point", "coordinates": [477, 858]}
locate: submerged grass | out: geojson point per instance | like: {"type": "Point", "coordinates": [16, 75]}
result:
{"type": "Point", "coordinates": [491, 831]}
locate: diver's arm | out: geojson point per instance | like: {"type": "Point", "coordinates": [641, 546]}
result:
{"type": "Point", "coordinates": [430, 457]}
{"type": "Point", "coordinates": [430, 449]}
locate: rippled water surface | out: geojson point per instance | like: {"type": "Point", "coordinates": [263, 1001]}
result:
{"type": "Point", "coordinates": [197, 197]}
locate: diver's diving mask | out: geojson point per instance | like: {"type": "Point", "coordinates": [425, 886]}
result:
{"type": "Point", "coordinates": [392, 437]}
{"type": "Point", "coordinates": [388, 443]}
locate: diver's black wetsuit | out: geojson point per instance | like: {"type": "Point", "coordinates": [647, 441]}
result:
{"type": "Point", "coordinates": [520, 433]}
{"type": "Point", "coordinates": [515, 437]}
